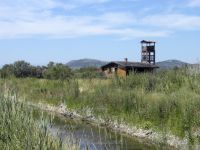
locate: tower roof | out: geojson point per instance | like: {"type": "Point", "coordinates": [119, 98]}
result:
{"type": "Point", "coordinates": [146, 41]}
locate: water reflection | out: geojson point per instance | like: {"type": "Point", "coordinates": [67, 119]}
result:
{"type": "Point", "coordinates": [90, 137]}
{"type": "Point", "coordinates": [94, 137]}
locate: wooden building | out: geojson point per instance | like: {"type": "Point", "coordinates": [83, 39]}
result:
{"type": "Point", "coordinates": [124, 68]}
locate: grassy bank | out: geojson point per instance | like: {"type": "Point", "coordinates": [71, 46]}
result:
{"type": "Point", "coordinates": [19, 130]}
{"type": "Point", "coordinates": [167, 101]}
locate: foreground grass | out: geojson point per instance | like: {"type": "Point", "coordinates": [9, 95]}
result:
{"type": "Point", "coordinates": [167, 101]}
{"type": "Point", "coordinates": [19, 130]}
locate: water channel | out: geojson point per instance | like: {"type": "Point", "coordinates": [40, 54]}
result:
{"type": "Point", "coordinates": [91, 137]}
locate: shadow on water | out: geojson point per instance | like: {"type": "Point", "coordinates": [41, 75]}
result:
{"type": "Point", "coordinates": [91, 137]}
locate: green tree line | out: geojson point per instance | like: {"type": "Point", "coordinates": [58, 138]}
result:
{"type": "Point", "coordinates": [23, 69]}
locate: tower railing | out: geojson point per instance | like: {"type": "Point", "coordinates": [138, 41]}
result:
{"type": "Point", "coordinates": [148, 52]}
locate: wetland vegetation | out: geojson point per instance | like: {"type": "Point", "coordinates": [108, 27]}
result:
{"type": "Point", "coordinates": [166, 102]}
{"type": "Point", "coordinates": [20, 130]}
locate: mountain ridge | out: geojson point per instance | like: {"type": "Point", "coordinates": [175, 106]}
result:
{"type": "Point", "coordinates": [87, 62]}
{"type": "Point", "coordinates": [171, 63]}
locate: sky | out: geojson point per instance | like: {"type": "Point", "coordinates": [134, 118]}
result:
{"type": "Point", "coordinates": [39, 31]}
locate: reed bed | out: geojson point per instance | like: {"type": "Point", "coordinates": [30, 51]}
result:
{"type": "Point", "coordinates": [167, 101]}
{"type": "Point", "coordinates": [19, 129]}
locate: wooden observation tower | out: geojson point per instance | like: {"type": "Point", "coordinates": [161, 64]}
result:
{"type": "Point", "coordinates": [148, 52]}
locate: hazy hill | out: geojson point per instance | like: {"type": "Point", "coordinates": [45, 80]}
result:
{"type": "Point", "coordinates": [81, 63]}
{"type": "Point", "coordinates": [170, 64]}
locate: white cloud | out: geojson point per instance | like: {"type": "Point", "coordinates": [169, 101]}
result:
{"type": "Point", "coordinates": [173, 21]}
{"type": "Point", "coordinates": [27, 18]}
{"type": "Point", "coordinates": [194, 3]}
{"type": "Point", "coordinates": [70, 26]}
{"type": "Point", "coordinates": [115, 18]}
{"type": "Point", "coordinates": [36, 18]}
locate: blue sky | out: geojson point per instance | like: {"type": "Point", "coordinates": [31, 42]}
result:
{"type": "Point", "coordinates": [40, 31]}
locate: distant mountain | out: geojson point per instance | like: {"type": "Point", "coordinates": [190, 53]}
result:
{"type": "Point", "coordinates": [82, 63]}
{"type": "Point", "coordinates": [170, 64]}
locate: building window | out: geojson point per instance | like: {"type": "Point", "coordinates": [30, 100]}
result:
{"type": "Point", "coordinates": [109, 70]}
{"type": "Point", "coordinates": [113, 70]}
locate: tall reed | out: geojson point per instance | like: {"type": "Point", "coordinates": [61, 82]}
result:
{"type": "Point", "coordinates": [165, 101]}
{"type": "Point", "coordinates": [19, 130]}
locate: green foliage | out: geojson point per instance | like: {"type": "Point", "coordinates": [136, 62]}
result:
{"type": "Point", "coordinates": [37, 72]}
{"type": "Point", "coordinates": [165, 101]}
{"type": "Point", "coordinates": [22, 69]}
{"type": "Point", "coordinates": [7, 71]}
{"type": "Point", "coordinates": [57, 71]}
{"type": "Point", "coordinates": [88, 73]}
{"type": "Point", "coordinates": [54, 71]}
{"type": "Point", "coordinates": [19, 130]}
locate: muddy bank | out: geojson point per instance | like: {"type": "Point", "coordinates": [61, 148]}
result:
{"type": "Point", "coordinates": [150, 135]}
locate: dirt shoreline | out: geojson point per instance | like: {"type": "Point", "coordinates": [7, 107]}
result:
{"type": "Point", "coordinates": [150, 135]}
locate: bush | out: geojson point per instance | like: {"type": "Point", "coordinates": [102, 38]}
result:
{"type": "Point", "coordinates": [22, 69]}
{"type": "Point", "coordinates": [88, 73]}
{"type": "Point", "coordinates": [58, 71]}
{"type": "Point", "coordinates": [7, 71]}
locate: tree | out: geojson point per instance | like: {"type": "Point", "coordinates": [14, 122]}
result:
{"type": "Point", "coordinates": [50, 64]}
{"type": "Point", "coordinates": [7, 71]}
{"type": "Point", "coordinates": [22, 69]}
{"type": "Point", "coordinates": [37, 72]}
{"type": "Point", "coordinates": [58, 71]}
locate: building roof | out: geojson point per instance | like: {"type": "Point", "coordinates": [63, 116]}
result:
{"type": "Point", "coordinates": [131, 64]}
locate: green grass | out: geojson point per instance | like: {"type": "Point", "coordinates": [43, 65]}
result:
{"type": "Point", "coordinates": [167, 101]}
{"type": "Point", "coordinates": [19, 129]}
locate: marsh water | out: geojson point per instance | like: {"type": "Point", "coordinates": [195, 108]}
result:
{"type": "Point", "coordinates": [90, 137]}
